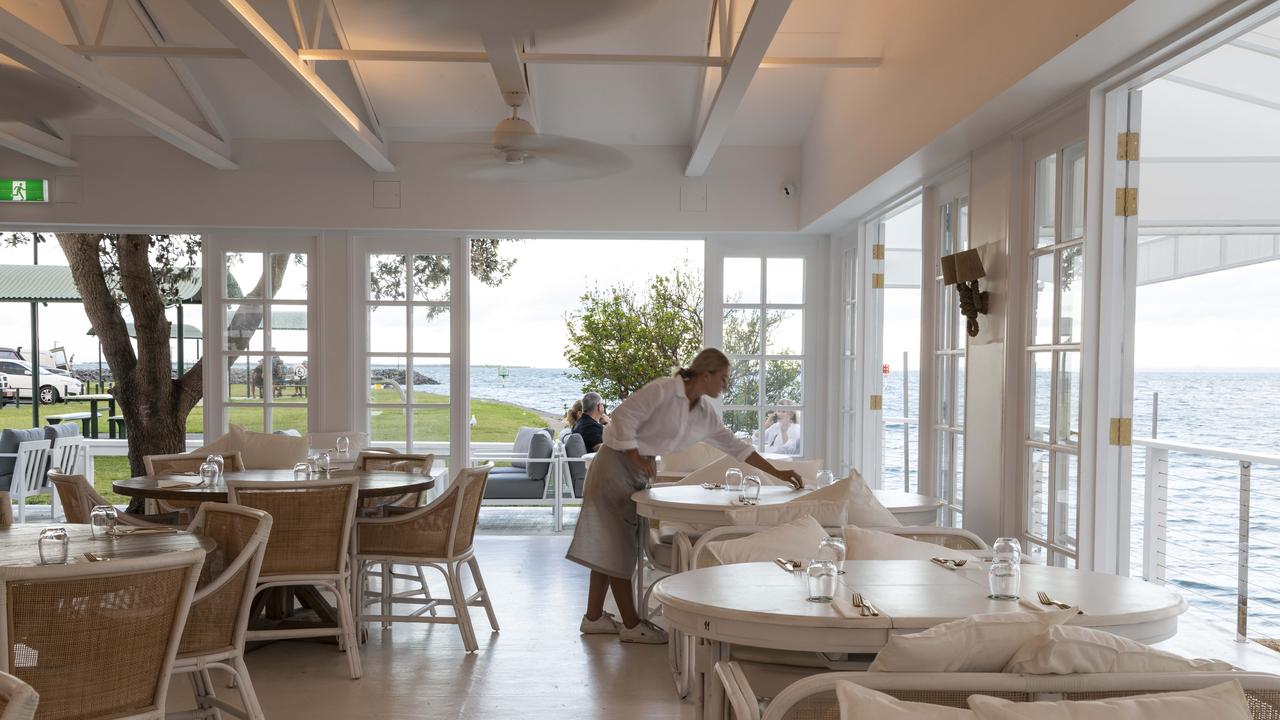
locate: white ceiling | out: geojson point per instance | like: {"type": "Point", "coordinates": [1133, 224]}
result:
{"type": "Point", "coordinates": [625, 105]}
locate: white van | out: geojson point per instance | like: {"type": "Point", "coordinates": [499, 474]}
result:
{"type": "Point", "coordinates": [54, 384]}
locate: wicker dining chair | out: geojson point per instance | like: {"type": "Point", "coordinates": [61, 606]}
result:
{"type": "Point", "coordinates": [219, 619]}
{"type": "Point", "coordinates": [390, 461]}
{"type": "Point", "coordinates": [97, 640]}
{"type": "Point", "coordinates": [18, 700]}
{"type": "Point", "coordinates": [184, 463]}
{"type": "Point", "coordinates": [78, 497]}
{"type": "Point", "coordinates": [439, 536]}
{"type": "Point", "coordinates": [308, 546]}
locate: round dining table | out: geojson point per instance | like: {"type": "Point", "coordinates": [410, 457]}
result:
{"type": "Point", "coordinates": [179, 486]}
{"type": "Point", "coordinates": [695, 504]}
{"type": "Point", "coordinates": [761, 605]}
{"type": "Point", "coordinates": [19, 547]}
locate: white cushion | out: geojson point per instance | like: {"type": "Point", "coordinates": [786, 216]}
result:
{"type": "Point", "coordinates": [865, 510]}
{"type": "Point", "coordinates": [828, 514]}
{"type": "Point", "coordinates": [713, 472]}
{"type": "Point", "coordinates": [864, 544]}
{"type": "Point", "coordinates": [797, 540]}
{"type": "Point", "coordinates": [806, 469]}
{"type": "Point", "coordinates": [1070, 649]}
{"type": "Point", "coordinates": [1225, 701]}
{"type": "Point", "coordinates": [700, 455]}
{"type": "Point", "coordinates": [860, 703]}
{"type": "Point", "coordinates": [978, 643]}
{"type": "Point", "coordinates": [223, 444]}
{"type": "Point", "coordinates": [267, 451]}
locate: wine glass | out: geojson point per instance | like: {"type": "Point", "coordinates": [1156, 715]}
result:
{"type": "Point", "coordinates": [733, 480]}
{"type": "Point", "coordinates": [102, 521]}
{"type": "Point", "coordinates": [825, 478]}
{"type": "Point", "coordinates": [52, 545]}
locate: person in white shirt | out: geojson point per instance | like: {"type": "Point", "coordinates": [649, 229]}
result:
{"type": "Point", "coordinates": [782, 432]}
{"type": "Point", "coordinates": [665, 416]}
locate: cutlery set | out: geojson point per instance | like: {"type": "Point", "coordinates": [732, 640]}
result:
{"type": "Point", "coordinates": [1044, 599]}
{"type": "Point", "coordinates": [868, 610]}
{"type": "Point", "coordinates": [948, 563]}
{"type": "Point", "coordinates": [788, 565]}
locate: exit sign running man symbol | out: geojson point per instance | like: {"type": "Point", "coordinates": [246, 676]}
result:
{"type": "Point", "coordinates": [23, 191]}
{"type": "Point", "coordinates": [19, 191]}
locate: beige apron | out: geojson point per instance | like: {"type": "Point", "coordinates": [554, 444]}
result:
{"type": "Point", "coordinates": [608, 533]}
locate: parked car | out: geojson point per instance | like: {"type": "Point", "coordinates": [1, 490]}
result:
{"type": "Point", "coordinates": [55, 385]}
{"type": "Point", "coordinates": [8, 394]}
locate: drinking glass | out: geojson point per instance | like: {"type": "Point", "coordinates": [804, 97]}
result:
{"type": "Point", "coordinates": [833, 549]}
{"type": "Point", "coordinates": [102, 521]}
{"type": "Point", "coordinates": [1007, 548]}
{"type": "Point", "coordinates": [302, 471]}
{"type": "Point", "coordinates": [821, 576]}
{"type": "Point", "coordinates": [209, 473]}
{"type": "Point", "coordinates": [1004, 579]}
{"type": "Point", "coordinates": [53, 546]}
{"type": "Point", "coordinates": [342, 445]}
{"type": "Point", "coordinates": [324, 462]}
{"type": "Point", "coordinates": [733, 480]}
{"type": "Point", "coordinates": [750, 490]}
{"type": "Point", "coordinates": [825, 478]}
{"type": "Point", "coordinates": [217, 460]}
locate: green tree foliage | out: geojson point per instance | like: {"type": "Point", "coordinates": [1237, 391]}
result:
{"type": "Point", "coordinates": [431, 272]}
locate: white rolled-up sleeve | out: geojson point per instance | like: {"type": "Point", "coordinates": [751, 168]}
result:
{"type": "Point", "coordinates": [627, 418]}
{"type": "Point", "coordinates": [723, 439]}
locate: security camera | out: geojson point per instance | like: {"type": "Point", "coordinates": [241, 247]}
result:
{"type": "Point", "coordinates": [788, 190]}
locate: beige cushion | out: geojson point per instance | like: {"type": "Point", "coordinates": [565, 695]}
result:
{"type": "Point", "coordinates": [1225, 701]}
{"type": "Point", "coordinates": [221, 445]}
{"type": "Point", "coordinates": [865, 510]}
{"type": "Point", "coordinates": [864, 544]}
{"type": "Point", "coordinates": [699, 455]}
{"type": "Point", "coordinates": [828, 514]}
{"type": "Point", "coordinates": [806, 469]}
{"type": "Point", "coordinates": [265, 451]}
{"type": "Point", "coordinates": [713, 472]}
{"type": "Point", "coordinates": [860, 703]}
{"type": "Point", "coordinates": [797, 540]}
{"type": "Point", "coordinates": [1070, 649]}
{"type": "Point", "coordinates": [978, 643]}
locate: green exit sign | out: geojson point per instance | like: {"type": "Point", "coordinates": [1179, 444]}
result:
{"type": "Point", "coordinates": [24, 190]}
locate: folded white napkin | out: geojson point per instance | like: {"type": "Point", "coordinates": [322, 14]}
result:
{"type": "Point", "coordinates": [1034, 606]}
{"type": "Point", "coordinates": [179, 482]}
{"type": "Point", "coordinates": [845, 608]}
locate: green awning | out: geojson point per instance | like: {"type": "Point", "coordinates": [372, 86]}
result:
{"type": "Point", "coordinates": [53, 283]}
{"type": "Point", "coordinates": [189, 332]}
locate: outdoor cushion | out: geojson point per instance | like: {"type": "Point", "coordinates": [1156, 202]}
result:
{"type": "Point", "coordinates": [1072, 649]}
{"type": "Point", "coordinates": [690, 459]}
{"type": "Point", "coordinates": [512, 487]}
{"type": "Point", "coordinates": [858, 703]}
{"type": "Point", "coordinates": [575, 447]}
{"type": "Point", "coordinates": [9, 440]}
{"type": "Point", "coordinates": [795, 540]}
{"type": "Point", "coordinates": [866, 544]}
{"type": "Point", "coordinates": [223, 444]}
{"type": "Point", "coordinates": [864, 509]}
{"type": "Point", "coordinates": [978, 643]}
{"type": "Point", "coordinates": [263, 451]}
{"type": "Point", "coordinates": [539, 447]}
{"type": "Point", "coordinates": [524, 436]}
{"type": "Point", "coordinates": [1224, 701]}
{"type": "Point", "coordinates": [61, 430]}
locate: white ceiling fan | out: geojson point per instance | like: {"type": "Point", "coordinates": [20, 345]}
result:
{"type": "Point", "coordinates": [26, 96]}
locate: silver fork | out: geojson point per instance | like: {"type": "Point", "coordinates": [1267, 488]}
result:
{"type": "Point", "coordinates": [867, 608]}
{"type": "Point", "coordinates": [1046, 600]}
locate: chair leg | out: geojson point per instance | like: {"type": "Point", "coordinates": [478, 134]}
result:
{"type": "Point", "coordinates": [207, 681]}
{"type": "Point", "coordinates": [247, 694]}
{"type": "Point", "coordinates": [348, 628]}
{"type": "Point", "coordinates": [452, 575]}
{"type": "Point", "coordinates": [484, 592]}
{"type": "Point", "coordinates": [22, 509]}
{"type": "Point", "coordinates": [426, 589]}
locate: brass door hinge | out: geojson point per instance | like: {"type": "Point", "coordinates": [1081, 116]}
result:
{"type": "Point", "coordinates": [1122, 431]}
{"type": "Point", "coordinates": [1127, 146]}
{"type": "Point", "coordinates": [1126, 202]}
{"type": "Point", "coordinates": [877, 281]}
{"type": "Point", "coordinates": [877, 402]}
{"type": "Point", "coordinates": [877, 251]}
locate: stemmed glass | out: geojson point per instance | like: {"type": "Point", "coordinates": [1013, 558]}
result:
{"type": "Point", "coordinates": [825, 478]}
{"type": "Point", "coordinates": [102, 521]}
{"type": "Point", "coordinates": [733, 480]}
{"type": "Point", "coordinates": [52, 545]}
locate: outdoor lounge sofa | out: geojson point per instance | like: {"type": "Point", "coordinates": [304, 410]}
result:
{"type": "Point", "coordinates": [524, 480]}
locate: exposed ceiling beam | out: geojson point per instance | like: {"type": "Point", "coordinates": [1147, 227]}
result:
{"type": "Point", "coordinates": [250, 32]}
{"type": "Point", "coordinates": [508, 69]}
{"type": "Point", "coordinates": [180, 69]}
{"type": "Point", "coordinates": [42, 146]}
{"type": "Point", "coordinates": [47, 56]}
{"type": "Point", "coordinates": [1223, 92]}
{"type": "Point", "coordinates": [449, 56]}
{"type": "Point", "coordinates": [72, 11]}
{"type": "Point", "coordinates": [106, 18]}
{"type": "Point", "coordinates": [1256, 47]}
{"type": "Point", "coordinates": [718, 11]}
{"type": "Point", "coordinates": [329, 8]}
{"type": "Point", "coordinates": [762, 24]}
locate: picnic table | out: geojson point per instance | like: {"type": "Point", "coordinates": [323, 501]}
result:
{"type": "Point", "coordinates": [90, 423]}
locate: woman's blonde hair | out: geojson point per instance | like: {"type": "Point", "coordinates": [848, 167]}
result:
{"type": "Point", "coordinates": [708, 361]}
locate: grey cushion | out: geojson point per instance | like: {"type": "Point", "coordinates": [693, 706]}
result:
{"type": "Point", "coordinates": [539, 447]}
{"type": "Point", "coordinates": [513, 487]}
{"type": "Point", "coordinates": [61, 430]}
{"type": "Point", "coordinates": [575, 447]}
{"type": "Point", "coordinates": [524, 436]}
{"type": "Point", "coordinates": [9, 440]}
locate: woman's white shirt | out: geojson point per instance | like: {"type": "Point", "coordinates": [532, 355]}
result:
{"type": "Point", "coordinates": [656, 420]}
{"type": "Point", "coordinates": [773, 441]}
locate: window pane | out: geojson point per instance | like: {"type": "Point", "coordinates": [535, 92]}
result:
{"type": "Point", "coordinates": [942, 438]}
{"type": "Point", "coordinates": [387, 424]}
{"type": "Point", "coordinates": [387, 329]}
{"type": "Point", "coordinates": [784, 334]}
{"type": "Point", "coordinates": [943, 367]}
{"type": "Point", "coordinates": [1074, 201]}
{"type": "Point", "coordinates": [850, 325]}
{"type": "Point", "coordinates": [387, 277]}
{"type": "Point", "coordinates": [782, 431]}
{"type": "Point", "coordinates": [244, 271]}
{"type": "Point", "coordinates": [783, 382]}
{"type": "Point", "coordinates": [742, 280]}
{"type": "Point", "coordinates": [1040, 384]}
{"type": "Point", "coordinates": [957, 419]}
{"type": "Point", "coordinates": [849, 402]}
{"type": "Point", "coordinates": [1038, 494]}
{"type": "Point", "coordinates": [387, 379]}
{"type": "Point", "coordinates": [1042, 299]}
{"type": "Point", "coordinates": [850, 279]}
{"type": "Point", "coordinates": [289, 384]}
{"type": "Point", "coordinates": [250, 417]}
{"type": "Point", "coordinates": [288, 328]}
{"type": "Point", "coordinates": [1071, 281]}
{"type": "Point", "coordinates": [948, 236]}
{"type": "Point", "coordinates": [290, 283]}
{"type": "Point", "coordinates": [785, 280]}
{"type": "Point", "coordinates": [1067, 398]}
{"type": "Point", "coordinates": [431, 278]}
{"type": "Point", "coordinates": [285, 417]}
{"type": "Point", "coordinates": [430, 380]}
{"type": "Point", "coordinates": [244, 327]}
{"type": "Point", "coordinates": [744, 383]}
{"type": "Point", "coordinates": [962, 226]}
{"type": "Point", "coordinates": [244, 378]}
{"type": "Point", "coordinates": [1065, 484]}
{"type": "Point", "coordinates": [959, 487]}
{"type": "Point", "coordinates": [1046, 200]}
{"type": "Point", "coordinates": [742, 332]}
{"type": "Point", "coordinates": [744, 423]}
{"type": "Point", "coordinates": [431, 329]}
{"type": "Point", "coordinates": [431, 425]}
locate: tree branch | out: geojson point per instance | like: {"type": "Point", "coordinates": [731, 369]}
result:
{"type": "Point", "coordinates": [82, 251]}
{"type": "Point", "coordinates": [151, 327]}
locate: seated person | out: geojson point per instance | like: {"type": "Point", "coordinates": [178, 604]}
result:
{"type": "Point", "coordinates": [590, 425]}
{"type": "Point", "coordinates": [782, 432]}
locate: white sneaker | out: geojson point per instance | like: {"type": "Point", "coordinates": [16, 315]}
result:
{"type": "Point", "coordinates": [606, 624]}
{"type": "Point", "coordinates": [644, 632]}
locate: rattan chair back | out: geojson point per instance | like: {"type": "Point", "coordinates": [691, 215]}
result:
{"type": "Point", "coordinates": [219, 614]}
{"type": "Point", "coordinates": [443, 529]}
{"type": "Point", "coordinates": [97, 640]}
{"type": "Point", "coordinates": [311, 522]}
{"type": "Point", "coordinates": [188, 462]}
{"type": "Point", "coordinates": [77, 495]}
{"type": "Point", "coordinates": [18, 700]}
{"type": "Point", "coordinates": [394, 462]}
